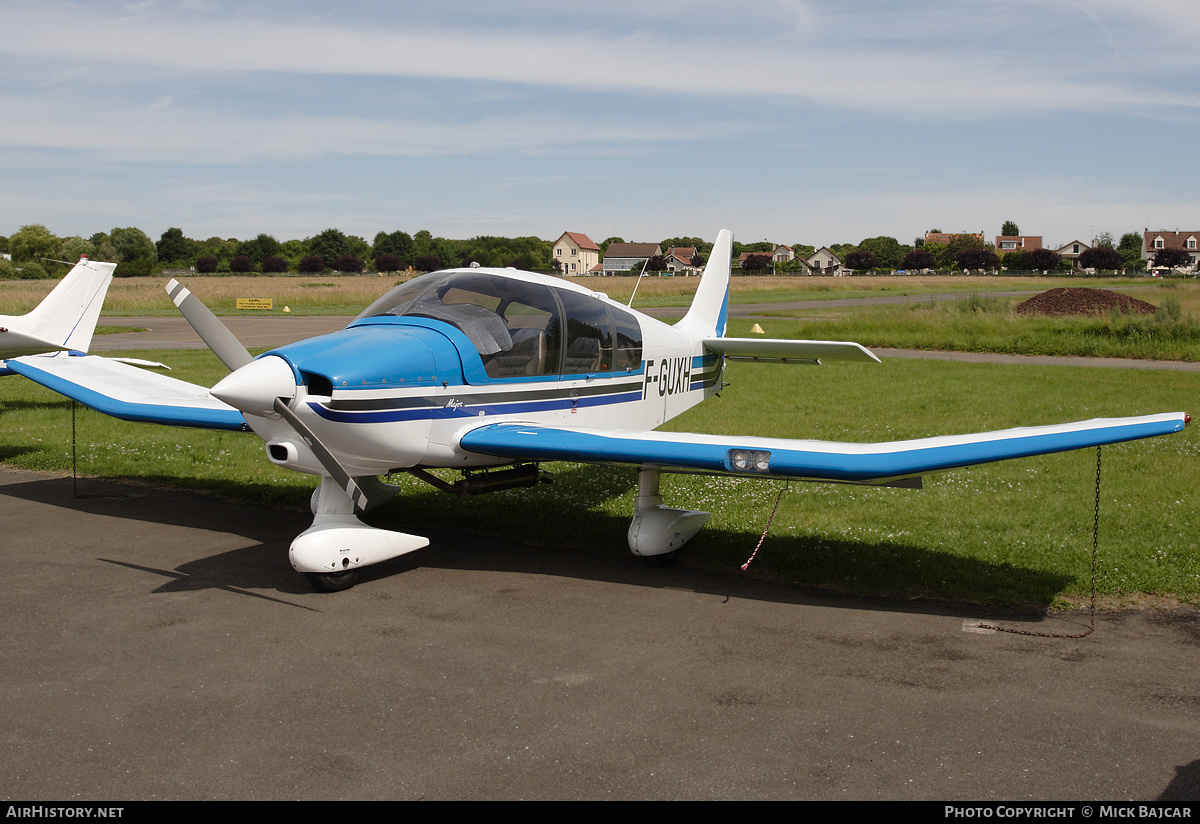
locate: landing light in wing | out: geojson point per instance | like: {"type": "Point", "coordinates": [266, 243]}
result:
{"type": "Point", "coordinates": [747, 460]}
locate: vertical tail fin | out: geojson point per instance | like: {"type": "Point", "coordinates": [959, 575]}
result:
{"type": "Point", "coordinates": [706, 318]}
{"type": "Point", "coordinates": [67, 316]}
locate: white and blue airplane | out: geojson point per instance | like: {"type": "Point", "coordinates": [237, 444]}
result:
{"type": "Point", "coordinates": [65, 319]}
{"type": "Point", "coordinates": [490, 371]}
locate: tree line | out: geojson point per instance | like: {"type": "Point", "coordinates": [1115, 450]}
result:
{"type": "Point", "coordinates": [37, 252]}
{"type": "Point", "coordinates": [966, 252]}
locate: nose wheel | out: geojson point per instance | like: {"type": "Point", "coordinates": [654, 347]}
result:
{"type": "Point", "coordinates": [332, 581]}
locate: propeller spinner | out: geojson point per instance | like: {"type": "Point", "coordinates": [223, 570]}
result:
{"type": "Point", "coordinates": [329, 552]}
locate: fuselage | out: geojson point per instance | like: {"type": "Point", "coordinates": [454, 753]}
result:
{"type": "Point", "coordinates": [15, 343]}
{"type": "Point", "coordinates": [450, 351]}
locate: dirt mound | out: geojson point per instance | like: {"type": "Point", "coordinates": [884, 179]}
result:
{"type": "Point", "coordinates": [1080, 301]}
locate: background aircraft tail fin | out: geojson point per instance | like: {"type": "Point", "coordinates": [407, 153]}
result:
{"type": "Point", "coordinates": [68, 315]}
{"type": "Point", "coordinates": [706, 318]}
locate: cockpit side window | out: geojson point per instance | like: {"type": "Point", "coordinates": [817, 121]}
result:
{"type": "Point", "coordinates": [535, 341]}
{"type": "Point", "coordinates": [589, 334]}
{"type": "Point", "coordinates": [627, 344]}
{"type": "Point", "coordinates": [600, 337]}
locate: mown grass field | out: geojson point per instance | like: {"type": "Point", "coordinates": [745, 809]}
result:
{"type": "Point", "coordinates": [1015, 533]}
{"type": "Point", "coordinates": [994, 327]}
{"type": "Point", "coordinates": [986, 321]}
{"type": "Point", "coordinates": [678, 291]}
{"type": "Point", "coordinates": [146, 297]}
{"type": "Point", "coordinates": [348, 295]}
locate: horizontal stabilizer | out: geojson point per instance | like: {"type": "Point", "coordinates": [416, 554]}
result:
{"type": "Point", "coordinates": [130, 393]}
{"type": "Point", "coordinates": [803, 459]}
{"type": "Point", "coordinates": [807, 351]}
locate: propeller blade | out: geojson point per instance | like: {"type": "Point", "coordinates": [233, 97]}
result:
{"type": "Point", "coordinates": [220, 340]}
{"type": "Point", "coordinates": [335, 469]}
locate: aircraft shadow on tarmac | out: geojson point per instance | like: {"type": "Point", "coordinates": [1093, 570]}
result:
{"type": "Point", "coordinates": [1185, 786]}
{"type": "Point", "coordinates": [264, 565]}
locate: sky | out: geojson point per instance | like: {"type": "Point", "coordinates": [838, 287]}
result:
{"type": "Point", "coordinates": [794, 121]}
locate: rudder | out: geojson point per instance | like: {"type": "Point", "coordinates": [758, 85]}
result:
{"type": "Point", "coordinates": [707, 315]}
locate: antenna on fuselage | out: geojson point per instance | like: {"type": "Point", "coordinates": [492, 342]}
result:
{"type": "Point", "coordinates": [645, 263]}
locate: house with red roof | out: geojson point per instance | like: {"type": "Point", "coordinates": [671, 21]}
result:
{"type": "Point", "coordinates": [1017, 243]}
{"type": "Point", "coordinates": [679, 260]}
{"type": "Point", "coordinates": [1154, 242]}
{"type": "Point", "coordinates": [575, 253]}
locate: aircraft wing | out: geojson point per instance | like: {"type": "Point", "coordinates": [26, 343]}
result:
{"type": "Point", "coordinates": [867, 463]}
{"type": "Point", "coordinates": [130, 393]}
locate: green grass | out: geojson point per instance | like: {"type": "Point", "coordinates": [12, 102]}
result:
{"type": "Point", "coordinates": [878, 286]}
{"type": "Point", "coordinates": [1016, 533]}
{"type": "Point", "coordinates": [658, 292]}
{"type": "Point", "coordinates": [349, 295]}
{"type": "Point", "coordinates": [118, 330]}
{"type": "Point", "coordinates": [991, 324]}
{"type": "Point", "coordinates": [146, 297]}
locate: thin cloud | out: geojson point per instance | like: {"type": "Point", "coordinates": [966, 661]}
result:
{"type": "Point", "coordinates": [797, 120]}
{"type": "Point", "coordinates": [162, 131]}
{"type": "Point", "coordinates": [844, 72]}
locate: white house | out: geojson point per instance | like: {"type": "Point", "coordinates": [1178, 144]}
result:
{"type": "Point", "coordinates": [575, 253]}
{"type": "Point", "coordinates": [824, 262]}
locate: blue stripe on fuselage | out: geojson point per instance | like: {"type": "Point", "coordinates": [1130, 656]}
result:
{"type": "Point", "coordinates": [705, 370]}
{"type": "Point", "coordinates": [472, 410]}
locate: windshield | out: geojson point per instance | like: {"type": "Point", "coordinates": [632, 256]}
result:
{"type": "Point", "coordinates": [517, 326]}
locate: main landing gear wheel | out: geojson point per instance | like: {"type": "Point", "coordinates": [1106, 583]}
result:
{"type": "Point", "coordinates": [659, 561]}
{"type": "Point", "coordinates": [332, 581]}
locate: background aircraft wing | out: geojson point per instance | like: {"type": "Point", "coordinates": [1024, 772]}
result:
{"type": "Point", "coordinates": [129, 393]}
{"type": "Point", "coordinates": [806, 351]}
{"type": "Point", "coordinates": [802, 459]}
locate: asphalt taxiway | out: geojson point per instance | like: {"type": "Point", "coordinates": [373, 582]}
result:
{"type": "Point", "coordinates": [158, 646]}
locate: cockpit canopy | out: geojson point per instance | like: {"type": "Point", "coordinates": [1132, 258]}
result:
{"type": "Point", "coordinates": [519, 327]}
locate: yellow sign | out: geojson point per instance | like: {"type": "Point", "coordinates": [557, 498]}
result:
{"type": "Point", "coordinates": [255, 303]}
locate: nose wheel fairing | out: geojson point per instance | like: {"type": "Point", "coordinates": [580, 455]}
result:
{"type": "Point", "coordinates": [338, 542]}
